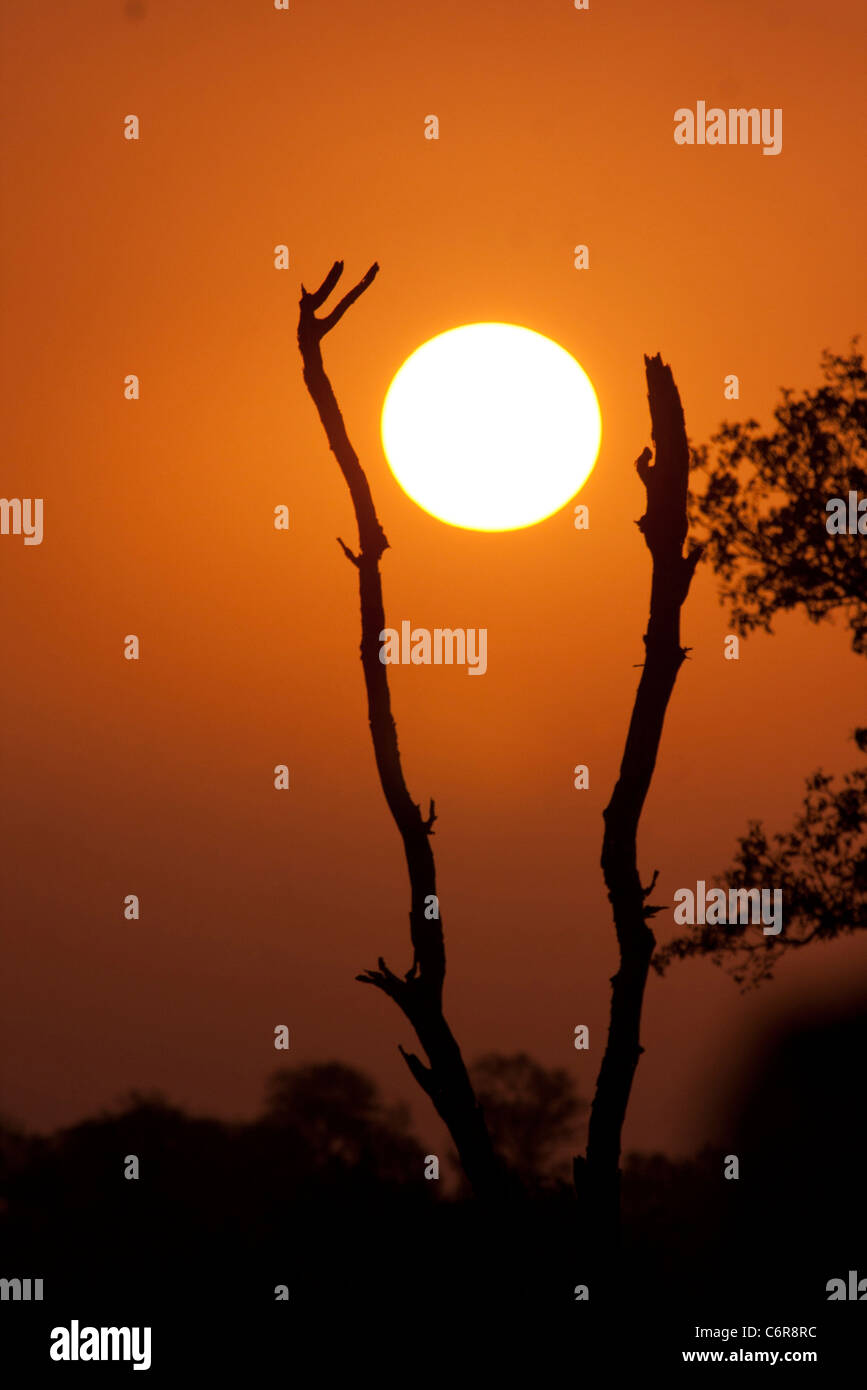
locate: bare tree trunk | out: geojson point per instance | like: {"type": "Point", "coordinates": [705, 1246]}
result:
{"type": "Point", "coordinates": [664, 526]}
{"type": "Point", "coordinates": [419, 992]}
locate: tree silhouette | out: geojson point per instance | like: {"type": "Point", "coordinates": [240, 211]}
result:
{"type": "Point", "coordinates": [338, 1113]}
{"type": "Point", "coordinates": [531, 1112]}
{"type": "Point", "coordinates": [419, 992]}
{"type": "Point", "coordinates": [762, 514]}
{"type": "Point", "coordinates": [763, 510]}
{"type": "Point", "coordinates": [820, 865]}
{"type": "Point", "coordinates": [664, 527]}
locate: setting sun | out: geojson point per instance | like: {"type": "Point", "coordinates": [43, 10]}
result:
{"type": "Point", "coordinates": [491, 426]}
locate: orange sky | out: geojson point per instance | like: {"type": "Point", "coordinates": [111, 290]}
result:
{"type": "Point", "coordinates": [155, 257]}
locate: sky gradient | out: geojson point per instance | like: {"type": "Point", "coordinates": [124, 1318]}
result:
{"type": "Point", "coordinates": [156, 778]}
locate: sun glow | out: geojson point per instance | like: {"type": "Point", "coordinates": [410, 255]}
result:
{"type": "Point", "coordinates": [491, 426]}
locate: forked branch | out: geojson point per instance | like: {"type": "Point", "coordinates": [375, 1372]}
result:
{"type": "Point", "coordinates": [664, 527]}
{"type": "Point", "coordinates": [419, 991]}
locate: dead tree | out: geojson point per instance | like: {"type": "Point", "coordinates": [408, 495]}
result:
{"type": "Point", "coordinates": [664, 527]}
{"type": "Point", "coordinates": [419, 992]}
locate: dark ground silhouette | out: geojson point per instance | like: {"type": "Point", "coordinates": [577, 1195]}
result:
{"type": "Point", "coordinates": [325, 1193]}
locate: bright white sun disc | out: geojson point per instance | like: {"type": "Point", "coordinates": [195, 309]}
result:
{"type": "Point", "coordinates": [491, 426]}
